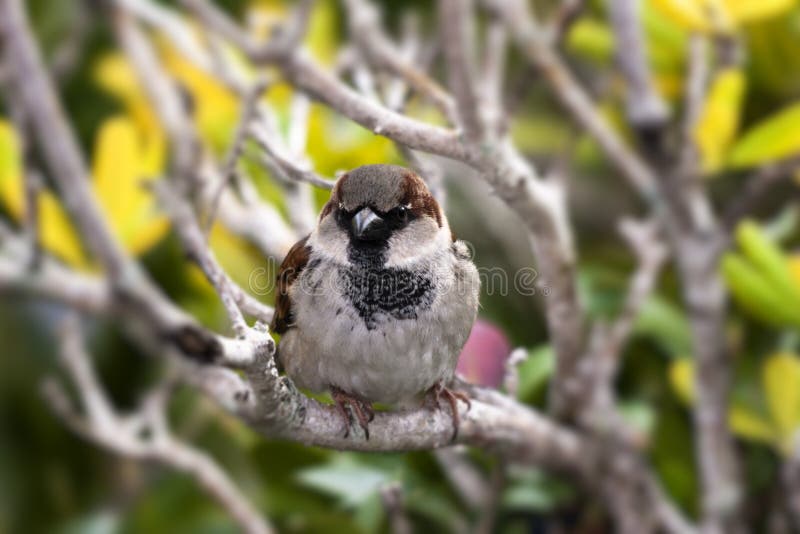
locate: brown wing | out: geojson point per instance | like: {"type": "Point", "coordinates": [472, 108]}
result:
{"type": "Point", "coordinates": [294, 262]}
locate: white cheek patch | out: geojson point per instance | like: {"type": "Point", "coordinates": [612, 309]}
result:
{"type": "Point", "coordinates": [420, 238]}
{"type": "Point", "coordinates": [329, 240]}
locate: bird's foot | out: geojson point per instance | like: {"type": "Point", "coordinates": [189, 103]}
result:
{"type": "Point", "coordinates": [362, 409]}
{"type": "Point", "coordinates": [438, 392]}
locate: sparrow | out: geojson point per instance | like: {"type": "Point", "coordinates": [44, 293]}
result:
{"type": "Point", "coordinates": [376, 303]}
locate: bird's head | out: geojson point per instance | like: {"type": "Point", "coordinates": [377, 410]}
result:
{"type": "Point", "coordinates": [381, 212]}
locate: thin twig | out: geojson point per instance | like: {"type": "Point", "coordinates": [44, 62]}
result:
{"type": "Point", "coordinates": [233, 297]}
{"type": "Point", "coordinates": [392, 500]}
{"type": "Point", "coordinates": [464, 477]}
{"type": "Point", "coordinates": [511, 375]}
{"type": "Point", "coordinates": [493, 75]}
{"type": "Point", "coordinates": [290, 170]}
{"type": "Point", "coordinates": [755, 187]}
{"type": "Point", "coordinates": [650, 253]}
{"type": "Point", "coordinates": [248, 110]}
{"type": "Point", "coordinates": [562, 20]}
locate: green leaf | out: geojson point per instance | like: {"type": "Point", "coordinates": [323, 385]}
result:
{"type": "Point", "coordinates": [535, 371]}
{"type": "Point", "coordinates": [429, 503]}
{"type": "Point", "coordinates": [100, 522]}
{"type": "Point", "coordinates": [533, 490]}
{"type": "Point", "coordinates": [666, 41]}
{"type": "Point", "coordinates": [750, 425]}
{"type": "Point", "coordinates": [756, 294]}
{"type": "Point", "coordinates": [664, 322]}
{"type": "Point", "coordinates": [774, 138]}
{"type": "Point", "coordinates": [591, 39]}
{"type": "Point", "coordinates": [771, 261]}
{"type": "Point", "coordinates": [369, 514]}
{"type": "Point", "coordinates": [351, 483]}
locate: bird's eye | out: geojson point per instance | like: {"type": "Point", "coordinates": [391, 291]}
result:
{"type": "Point", "coordinates": [399, 214]}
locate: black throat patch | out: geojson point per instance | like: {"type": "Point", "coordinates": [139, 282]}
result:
{"type": "Point", "coordinates": [376, 290]}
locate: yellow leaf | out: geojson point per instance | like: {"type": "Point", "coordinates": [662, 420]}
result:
{"type": "Point", "coordinates": [123, 162]}
{"type": "Point", "coordinates": [743, 11]}
{"type": "Point", "coordinates": [681, 377]}
{"type": "Point", "coordinates": [669, 85]}
{"type": "Point", "coordinates": [719, 121]}
{"type": "Point", "coordinates": [263, 16]}
{"type": "Point", "coordinates": [114, 74]}
{"type": "Point", "coordinates": [699, 15]}
{"type": "Point", "coordinates": [215, 108]}
{"type": "Point", "coordinates": [322, 37]}
{"type": "Point", "coordinates": [781, 378]}
{"type": "Point", "coordinates": [773, 138]}
{"type": "Point", "coordinates": [11, 189]}
{"type": "Point", "coordinates": [335, 144]}
{"type": "Point", "coordinates": [793, 262]}
{"type": "Point", "coordinates": [56, 233]}
{"type": "Point", "coordinates": [689, 14]}
{"type": "Point", "coordinates": [749, 425]}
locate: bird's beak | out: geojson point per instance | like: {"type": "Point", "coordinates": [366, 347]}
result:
{"type": "Point", "coordinates": [368, 226]}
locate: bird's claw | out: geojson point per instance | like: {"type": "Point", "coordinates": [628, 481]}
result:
{"type": "Point", "coordinates": [362, 409]}
{"type": "Point", "coordinates": [438, 392]}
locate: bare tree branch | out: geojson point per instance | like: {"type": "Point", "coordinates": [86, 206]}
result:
{"type": "Point", "coordinates": [696, 237]}
{"type": "Point", "coordinates": [598, 451]}
{"type": "Point", "coordinates": [63, 157]}
{"type": "Point", "coordinates": [458, 35]}
{"type": "Point", "coordinates": [322, 86]}
{"type": "Point", "coordinates": [645, 109]}
{"type": "Point", "coordinates": [364, 22]}
{"type": "Point", "coordinates": [143, 435]}
{"type": "Point", "coordinates": [34, 91]}
{"type": "Point", "coordinates": [50, 280]}
{"type": "Point", "coordinates": [534, 45]}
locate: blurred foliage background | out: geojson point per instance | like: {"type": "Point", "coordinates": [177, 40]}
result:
{"type": "Point", "coordinates": [50, 481]}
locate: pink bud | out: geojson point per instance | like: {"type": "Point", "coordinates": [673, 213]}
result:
{"type": "Point", "coordinates": [482, 360]}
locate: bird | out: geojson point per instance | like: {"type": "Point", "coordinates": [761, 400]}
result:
{"type": "Point", "coordinates": [376, 303]}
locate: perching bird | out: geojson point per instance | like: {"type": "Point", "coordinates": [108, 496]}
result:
{"type": "Point", "coordinates": [377, 302]}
